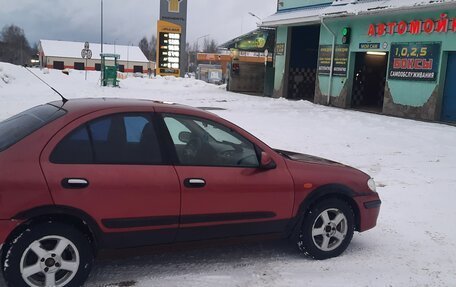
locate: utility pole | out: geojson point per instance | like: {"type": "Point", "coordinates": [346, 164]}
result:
{"type": "Point", "coordinates": [197, 40]}
{"type": "Point", "coordinates": [128, 56]}
{"type": "Point", "coordinates": [22, 52]}
{"type": "Point", "coordinates": [102, 26]}
{"type": "Point", "coordinates": [197, 50]}
{"type": "Point", "coordinates": [101, 50]}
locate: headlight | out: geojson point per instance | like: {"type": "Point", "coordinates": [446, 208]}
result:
{"type": "Point", "coordinates": [371, 185]}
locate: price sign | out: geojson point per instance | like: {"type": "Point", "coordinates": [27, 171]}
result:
{"type": "Point", "coordinates": [169, 46]}
{"type": "Point", "coordinates": [414, 61]}
{"type": "Point", "coordinates": [169, 56]}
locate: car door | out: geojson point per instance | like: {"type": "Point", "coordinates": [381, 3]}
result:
{"type": "Point", "coordinates": [224, 192]}
{"type": "Point", "coordinates": [110, 166]}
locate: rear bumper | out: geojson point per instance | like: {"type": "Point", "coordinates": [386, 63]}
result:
{"type": "Point", "coordinates": [369, 209]}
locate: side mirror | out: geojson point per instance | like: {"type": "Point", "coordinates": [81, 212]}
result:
{"type": "Point", "coordinates": [184, 137]}
{"type": "Point", "coordinates": [266, 161]}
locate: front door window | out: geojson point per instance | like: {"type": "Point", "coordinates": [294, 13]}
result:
{"type": "Point", "coordinates": [201, 142]}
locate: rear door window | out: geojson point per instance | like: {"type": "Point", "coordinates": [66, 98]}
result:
{"type": "Point", "coordinates": [21, 125]}
{"type": "Point", "coordinates": [115, 139]}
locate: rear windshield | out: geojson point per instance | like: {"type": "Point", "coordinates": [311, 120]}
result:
{"type": "Point", "coordinates": [21, 125]}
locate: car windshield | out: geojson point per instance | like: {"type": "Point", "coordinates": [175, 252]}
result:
{"type": "Point", "coordinates": [21, 125]}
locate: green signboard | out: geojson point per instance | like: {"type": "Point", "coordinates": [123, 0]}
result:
{"type": "Point", "coordinates": [414, 61]}
{"type": "Point", "coordinates": [340, 60]}
{"type": "Point", "coordinates": [254, 41]}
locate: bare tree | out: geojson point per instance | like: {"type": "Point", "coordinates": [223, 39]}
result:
{"type": "Point", "coordinates": [153, 49]}
{"type": "Point", "coordinates": [192, 52]}
{"type": "Point", "coordinates": [210, 46]}
{"type": "Point", "coordinates": [15, 48]}
{"type": "Point", "coordinates": [34, 49]}
{"type": "Point", "coordinates": [149, 48]}
{"type": "Point", "coordinates": [144, 46]}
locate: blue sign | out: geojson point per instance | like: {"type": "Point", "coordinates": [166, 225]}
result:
{"type": "Point", "coordinates": [369, 46]}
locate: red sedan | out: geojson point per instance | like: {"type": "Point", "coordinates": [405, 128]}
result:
{"type": "Point", "coordinates": [87, 174]}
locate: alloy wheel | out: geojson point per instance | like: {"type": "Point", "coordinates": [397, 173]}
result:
{"type": "Point", "coordinates": [50, 261]}
{"type": "Point", "coordinates": [329, 229]}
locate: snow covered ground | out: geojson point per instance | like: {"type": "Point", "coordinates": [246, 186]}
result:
{"type": "Point", "coordinates": [414, 164]}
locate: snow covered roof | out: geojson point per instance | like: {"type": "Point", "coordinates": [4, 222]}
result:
{"type": "Point", "coordinates": [359, 7]}
{"type": "Point", "coordinates": [348, 7]}
{"type": "Point", "coordinates": [307, 14]}
{"type": "Point", "coordinates": [66, 49]}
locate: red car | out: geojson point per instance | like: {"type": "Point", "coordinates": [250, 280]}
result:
{"type": "Point", "coordinates": [88, 174]}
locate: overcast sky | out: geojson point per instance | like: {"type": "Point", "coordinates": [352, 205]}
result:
{"type": "Point", "coordinates": [127, 21]}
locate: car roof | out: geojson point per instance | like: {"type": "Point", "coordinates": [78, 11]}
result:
{"type": "Point", "coordinates": [88, 105]}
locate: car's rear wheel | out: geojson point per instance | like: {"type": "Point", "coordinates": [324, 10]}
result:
{"type": "Point", "coordinates": [48, 254]}
{"type": "Point", "coordinates": [327, 229]}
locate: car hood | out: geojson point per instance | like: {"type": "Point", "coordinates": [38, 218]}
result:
{"type": "Point", "coordinates": [306, 158]}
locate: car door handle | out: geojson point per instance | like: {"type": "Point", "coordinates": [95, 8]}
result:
{"type": "Point", "coordinates": [194, 182]}
{"type": "Point", "coordinates": [75, 183]}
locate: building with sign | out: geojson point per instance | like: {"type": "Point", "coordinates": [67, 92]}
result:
{"type": "Point", "coordinates": [250, 67]}
{"type": "Point", "coordinates": [69, 55]}
{"type": "Point", "coordinates": [396, 57]}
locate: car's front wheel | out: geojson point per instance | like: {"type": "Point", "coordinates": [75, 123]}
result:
{"type": "Point", "coordinates": [48, 254]}
{"type": "Point", "coordinates": [327, 229]}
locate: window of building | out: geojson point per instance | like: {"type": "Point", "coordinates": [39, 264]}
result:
{"type": "Point", "coordinates": [137, 69]}
{"type": "Point", "coordinates": [59, 65]}
{"type": "Point", "coordinates": [97, 67]}
{"type": "Point", "coordinates": [79, 66]}
{"type": "Point", "coordinates": [122, 68]}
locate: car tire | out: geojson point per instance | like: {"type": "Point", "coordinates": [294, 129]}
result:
{"type": "Point", "coordinates": [48, 254]}
{"type": "Point", "coordinates": [327, 229]}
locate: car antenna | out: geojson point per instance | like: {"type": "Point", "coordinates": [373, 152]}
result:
{"type": "Point", "coordinates": [64, 100]}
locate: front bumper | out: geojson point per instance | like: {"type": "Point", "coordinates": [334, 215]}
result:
{"type": "Point", "coordinates": [369, 209]}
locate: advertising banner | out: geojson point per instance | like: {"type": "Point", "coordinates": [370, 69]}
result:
{"type": "Point", "coordinates": [414, 61]}
{"type": "Point", "coordinates": [340, 60]}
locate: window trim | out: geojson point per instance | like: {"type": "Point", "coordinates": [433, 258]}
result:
{"type": "Point", "coordinates": [170, 146]}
